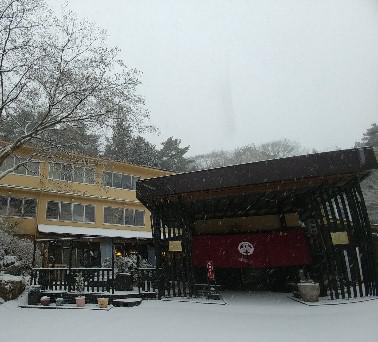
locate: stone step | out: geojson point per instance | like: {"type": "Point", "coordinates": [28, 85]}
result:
{"type": "Point", "coordinates": [129, 302]}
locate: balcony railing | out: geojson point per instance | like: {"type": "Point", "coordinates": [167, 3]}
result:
{"type": "Point", "coordinates": [63, 279]}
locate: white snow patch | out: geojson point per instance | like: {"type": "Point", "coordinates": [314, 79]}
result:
{"type": "Point", "coordinates": [8, 277]}
{"type": "Point", "coordinates": [103, 232]}
{"type": "Point", "coordinates": [262, 317]}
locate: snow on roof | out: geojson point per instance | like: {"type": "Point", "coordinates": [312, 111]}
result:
{"type": "Point", "coordinates": [104, 232]}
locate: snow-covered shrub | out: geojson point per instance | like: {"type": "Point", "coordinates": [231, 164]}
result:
{"type": "Point", "coordinates": [79, 283]}
{"type": "Point", "coordinates": [127, 264]}
{"type": "Point", "coordinates": [16, 253]}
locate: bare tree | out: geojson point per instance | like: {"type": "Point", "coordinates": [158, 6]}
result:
{"type": "Point", "coordinates": [280, 149]}
{"type": "Point", "coordinates": [60, 71]}
{"type": "Point", "coordinates": [249, 153]}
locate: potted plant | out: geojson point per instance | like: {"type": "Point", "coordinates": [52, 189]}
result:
{"type": "Point", "coordinates": [103, 302]}
{"type": "Point", "coordinates": [79, 285]}
{"type": "Point", "coordinates": [45, 301]}
{"type": "Point", "coordinates": [59, 301]}
{"type": "Point", "coordinates": [308, 290]}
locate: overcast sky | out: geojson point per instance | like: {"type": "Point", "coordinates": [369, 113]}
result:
{"type": "Point", "coordinates": [220, 74]}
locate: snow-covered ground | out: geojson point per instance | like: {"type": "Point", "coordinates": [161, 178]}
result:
{"type": "Point", "coordinates": [247, 317]}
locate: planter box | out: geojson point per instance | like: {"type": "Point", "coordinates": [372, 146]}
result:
{"type": "Point", "coordinates": [34, 295]}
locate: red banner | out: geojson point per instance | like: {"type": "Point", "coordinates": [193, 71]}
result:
{"type": "Point", "coordinates": [272, 249]}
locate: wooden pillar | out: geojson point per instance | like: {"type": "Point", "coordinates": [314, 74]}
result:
{"type": "Point", "coordinates": [156, 229]}
{"type": "Point", "coordinates": [34, 250]}
{"type": "Point", "coordinates": [70, 275]}
{"type": "Point", "coordinates": [113, 275]}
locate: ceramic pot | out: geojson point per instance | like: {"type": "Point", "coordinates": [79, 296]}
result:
{"type": "Point", "coordinates": [103, 302]}
{"type": "Point", "coordinates": [309, 292]}
{"type": "Point", "coordinates": [80, 301]}
{"type": "Point", "coordinates": [59, 301]}
{"type": "Point", "coordinates": [45, 301]}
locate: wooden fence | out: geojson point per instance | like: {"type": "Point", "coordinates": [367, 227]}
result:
{"type": "Point", "coordinates": [95, 279]}
{"type": "Point", "coordinates": [147, 281]}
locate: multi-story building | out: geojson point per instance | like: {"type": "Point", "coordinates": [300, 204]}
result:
{"type": "Point", "coordinates": [70, 195]}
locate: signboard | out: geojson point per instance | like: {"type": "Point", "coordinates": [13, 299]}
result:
{"type": "Point", "coordinates": [340, 238]}
{"type": "Point", "coordinates": [175, 246]}
{"type": "Point", "coordinates": [269, 249]}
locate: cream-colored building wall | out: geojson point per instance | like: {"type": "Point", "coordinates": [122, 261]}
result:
{"type": "Point", "coordinates": [44, 189]}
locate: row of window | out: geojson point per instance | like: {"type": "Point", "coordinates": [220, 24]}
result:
{"type": "Point", "coordinates": [72, 173]}
{"type": "Point", "coordinates": [124, 216]}
{"type": "Point", "coordinates": [19, 207]}
{"type": "Point", "coordinates": [119, 180]}
{"type": "Point", "coordinates": [31, 168]}
{"type": "Point", "coordinates": [86, 174]}
{"type": "Point", "coordinates": [64, 211]}
{"type": "Point", "coordinates": [77, 212]}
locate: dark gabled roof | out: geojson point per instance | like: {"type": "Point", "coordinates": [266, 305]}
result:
{"type": "Point", "coordinates": [342, 163]}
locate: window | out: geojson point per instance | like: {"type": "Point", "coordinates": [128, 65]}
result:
{"type": "Point", "coordinates": [65, 211]}
{"type": "Point", "coordinates": [55, 170]}
{"type": "Point", "coordinates": [129, 216]}
{"type": "Point", "coordinates": [79, 174]}
{"type": "Point", "coordinates": [126, 181]}
{"type": "Point", "coordinates": [31, 168]}
{"type": "Point", "coordinates": [135, 179]}
{"type": "Point", "coordinates": [52, 212]}
{"type": "Point", "coordinates": [119, 180]}
{"type": "Point", "coordinates": [139, 218]}
{"type": "Point", "coordinates": [107, 215]}
{"type": "Point", "coordinates": [30, 207]}
{"type": "Point", "coordinates": [107, 179]}
{"type": "Point", "coordinates": [78, 212]}
{"type": "Point", "coordinates": [72, 173]}
{"type": "Point", "coordinates": [3, 205]}
{"type": "Point", "coordinates": [90, 175]}
{"type": "Point", "coordinates": [15, 207]}
{"type": "Point", "coordinates": [67, 172]}
{"type": "Point", "coordinates": [123, 216]}
{"type": "Point", "coordinates": [114, 215]}
{"type": "Point", "coordinates": [19, 207]}
{"type": "Point", "coordinates": [21, 170]}
{"type": "Point", "coordinates": [70, 212]}
{"type": "Point", "coordinates": [89, 213]}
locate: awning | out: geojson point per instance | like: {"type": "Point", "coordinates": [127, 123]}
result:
{"type": "Point", "coordinates": [100, 232]}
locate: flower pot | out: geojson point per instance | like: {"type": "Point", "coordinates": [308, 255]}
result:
{"type": "Point", "coordinates": [103, 302]}
{"type": "Point", "coordinates": [309, 291]}
{"type": "Point", "coordinates": [80, 301]}
{"type": "Point", "coordinates": [59, 301]}
{"type": "Point", "coordinates": [45, 301]}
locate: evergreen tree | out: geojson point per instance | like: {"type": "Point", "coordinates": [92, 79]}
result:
{"type": "Point", "coordinates": [370, 138]}
{"type": "Point", "coordinates": [172, 157]}
{"type": "Point", "coordinates": [369, 185]}
{"type": "Point", "coordinates": [126, 146]}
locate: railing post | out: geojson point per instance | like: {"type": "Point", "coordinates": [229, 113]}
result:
{"type": "Point", "coordinates": [69, 278]}
{"type": "Point", "coordinates": [113, 275]}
